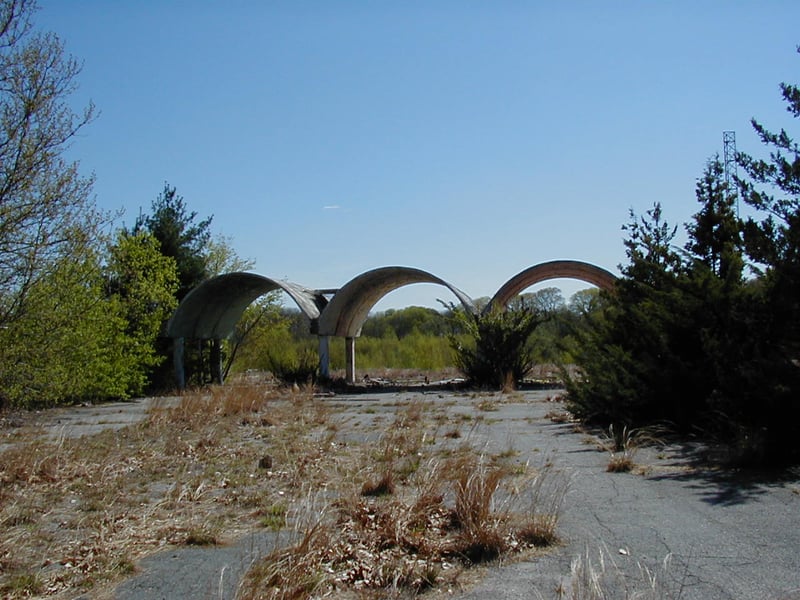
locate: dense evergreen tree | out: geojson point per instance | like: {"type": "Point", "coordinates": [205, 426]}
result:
{"type": "Point", "coordinates": [765, 390]}
{"type": "Point", "coordinates": [641, 359]}
{"type": "Point", "coordinates": [180, 235]}
{"type": "Point", "coordinates": [686, 338]}
{"type": "Point", "coordinates": [184, 239]}
{"type": "Point", "coordinates": [715, 232]}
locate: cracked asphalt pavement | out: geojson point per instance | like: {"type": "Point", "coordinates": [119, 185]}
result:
{"type": "Point", "coordinates": [699, 533]}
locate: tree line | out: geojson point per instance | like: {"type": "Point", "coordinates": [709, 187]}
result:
{"type": "Point", "coordinates": [276, 339]}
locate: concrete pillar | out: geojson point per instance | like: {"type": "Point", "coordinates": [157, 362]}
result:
{"type": "Point", "coordinates": [216, 361]}
{"type": "Point", "coordinates": [177, 360]}
{"type": "Point", "coordinates": [350, 359]}
{"type": "Point", "coordinates": [324, 357]}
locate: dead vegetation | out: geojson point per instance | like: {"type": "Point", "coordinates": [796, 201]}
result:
{"type": "Point", "coordinates": [406, 510]}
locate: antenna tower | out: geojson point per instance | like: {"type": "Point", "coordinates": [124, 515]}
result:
{"type": "Point", "coordinates": [729, 162]}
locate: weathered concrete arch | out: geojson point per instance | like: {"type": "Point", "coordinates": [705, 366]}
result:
{"type": "Point", "coordinates": [212, 309]}
{"type": "Point", "coordinates": [555, 269]}
{"type": "Point", "coordinates": [350, 306]}
{"type": "Point", "coordinates": [348, 309]}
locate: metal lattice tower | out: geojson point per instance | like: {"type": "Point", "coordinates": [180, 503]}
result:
{"type": "Point", "coordinates": [729, 162]}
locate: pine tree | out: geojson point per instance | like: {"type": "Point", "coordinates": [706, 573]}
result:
{"type": "Point", "coordinates": [180, 236]}
{"type": "Point", "coordinates": [715, 233]}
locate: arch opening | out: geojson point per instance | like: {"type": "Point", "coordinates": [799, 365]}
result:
{"type": "Point", "coordinates": [556, 269]}
{"type": "Point", "coordinates": [212, 309]}
{"type": "Point", "coordinates": [344, 316]}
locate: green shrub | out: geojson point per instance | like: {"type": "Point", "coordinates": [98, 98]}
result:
{"type": "Point", "coordinates": [493, 351]}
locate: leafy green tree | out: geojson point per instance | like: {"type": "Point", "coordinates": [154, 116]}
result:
{"type": "Point", "coordinates": [46, 214]}
{"type": "Point", "coordinates": [70, 345]}
{"type": "Point", "coordinates": [58, 332]}
{"type": "Point", "coordinates": [405, 321]}
{"type": "Point", "coordinates": [548, 300]}
{"type": "Point", "coordinates": [220, 257]}
{"type": "Point", "coordinates": [584, 302]}
{"type": "Point", "coordinates": [143, 282]}
{"type": "Point", "coordinates": [263, 340]}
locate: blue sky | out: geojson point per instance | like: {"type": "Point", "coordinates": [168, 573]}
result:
{"type": "Point", "coordinates": [468, 139]}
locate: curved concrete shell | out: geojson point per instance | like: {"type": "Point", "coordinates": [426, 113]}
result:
{"type": "Point", "coordinates": [571, 269]}
{"type": "Point", "coordinates": [350, 306]}
{"type": "Point", "coordinates": [211, 310]}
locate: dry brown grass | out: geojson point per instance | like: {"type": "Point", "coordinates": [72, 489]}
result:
{"type": "Point", "coordinates": [76, 514]}
{"type": "Point", "coordinates": [397, 516]}
{"type": "Point", "coordinates": [623, 443]}
{"type": "Point", "coordinates": [601, 578]}
{"type": "Point", "coordinates": [452, 514]}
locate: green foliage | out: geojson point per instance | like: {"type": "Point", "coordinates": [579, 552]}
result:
{"type": "Point", "coordinates": [296, 367]}
{"type": "Point", "coordinates": [406, 321]}
{"type": "Point", "coordinates": [220, 257]}
{"type": "Point", "coordinates": [642, 359]}
{"type": "Point", "coordinates": [684, 338]}
{"type": "Point", "coordinates": [414, 351]}
{"type": "Point", "coordinates": [180, 236]}
{"type": "Point", "coordinates": [143, 283]}
{"type": "Point", "coordinates": [196, 255]}
{"type": "Point", "coordinates": [261, 333]}
{"type": "Point", "coordinates": [58, 333]}
{"type": "Point", "coordinates": [494, 352]}
{"type": "Point", "coordinates": [46, 215]}
{"type": "Point", "coordinates": [79, 351]}
{"type": "Point", "coordinates": [715, 232]}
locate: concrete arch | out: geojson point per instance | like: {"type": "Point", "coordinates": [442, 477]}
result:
{"type": "Point", "coordinates": [348, 309]}
{"type": "Point", "coordinates": [212, 309]}
{"type": "Point", "coordinates": [350, 306]}
{"type": "Point", "coordinates": [556, 269]}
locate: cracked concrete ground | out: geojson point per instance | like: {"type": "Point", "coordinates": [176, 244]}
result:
{"type": "Point", "coordinates": [725, 535]}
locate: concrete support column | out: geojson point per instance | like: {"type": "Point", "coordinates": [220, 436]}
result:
{"type": "Point", "coordinates": [350, 359]}
{"type": "Point", "coordinates": [177, 360]}
{"type": "Point", "coordinates": [324, 357]}
{"type": "Point", "coordinates": [216, 361]}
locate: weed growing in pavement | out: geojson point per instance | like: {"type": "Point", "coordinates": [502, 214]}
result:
{"type": "Point", "coordinates": [451, 514]}
{"type": "Point", "coordinates": [623, 444]}
{"type": "Point", "coordinates": [559, 416]}
{"type": "Point", "coordinates": [405, 511]}
{"type": "Point", "coordinates": [77, 513]}
{"type": "Point", "coordinates": [603, 579]}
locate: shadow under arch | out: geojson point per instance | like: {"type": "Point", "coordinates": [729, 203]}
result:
{"type": "Point", "coordinates": [555, 269]}
{"type": "Point", "coordinates": [346, 312]}
{"type": "Point", "coordinates": [211, 310]}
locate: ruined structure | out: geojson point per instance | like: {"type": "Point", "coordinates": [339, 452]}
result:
{"type": "Point", "coordinates": [212, 309]}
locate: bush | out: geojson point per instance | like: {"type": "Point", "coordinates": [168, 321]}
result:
{"type": "Point", "coordinates": [493, 350]}
{"type": "Point", "coordinates": [300, 368]}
